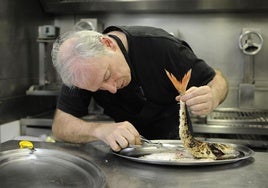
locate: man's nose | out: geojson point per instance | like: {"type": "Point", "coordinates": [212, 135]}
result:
{"type": "Point", "coordinates": [111, 87]}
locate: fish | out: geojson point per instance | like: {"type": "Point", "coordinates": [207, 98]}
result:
{"type": "Point", "coordinates": [198, 149]}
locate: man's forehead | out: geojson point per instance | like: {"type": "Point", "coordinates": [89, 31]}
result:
{"type": "Point", "coordinates": [94, 74]}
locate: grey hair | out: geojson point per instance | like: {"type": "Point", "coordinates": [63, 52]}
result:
{"type": "Point", "coordinates": [83, 45]}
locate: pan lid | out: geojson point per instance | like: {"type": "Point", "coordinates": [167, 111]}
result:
{"type": "Point", "coordinates": [47, 168]}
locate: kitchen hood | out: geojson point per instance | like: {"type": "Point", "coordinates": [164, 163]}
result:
{"type": "Point", "coordinates": [152, 6]}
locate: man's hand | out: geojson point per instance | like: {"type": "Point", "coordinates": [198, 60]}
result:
{"type": "Point", "coordinates": [202, 100]}
{"type": "Point", "coordinates": [199, 100]}
{"type": "Point", "coordinates": [118, 135]}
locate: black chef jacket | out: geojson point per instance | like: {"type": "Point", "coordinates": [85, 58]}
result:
{"type": "Point", "coordinates": [148, 102]}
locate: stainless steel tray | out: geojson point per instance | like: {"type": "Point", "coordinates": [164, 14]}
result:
{"type": "Point", "coordinates": [47, 168]}
{"type": "Point", "coordinates": [164, 155]}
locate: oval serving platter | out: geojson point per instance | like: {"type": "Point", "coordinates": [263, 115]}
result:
{"type": "Point", "coordinates": [172, 152]}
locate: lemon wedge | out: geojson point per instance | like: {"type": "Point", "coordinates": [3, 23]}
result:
{"type": "Point", "coordinates": [26, 144]}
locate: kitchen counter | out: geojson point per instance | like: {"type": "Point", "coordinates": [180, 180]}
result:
{"type": "Point", "coordinates": [123, 173]}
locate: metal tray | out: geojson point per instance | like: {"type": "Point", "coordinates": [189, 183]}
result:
{"type": "Point", "coordinates": [168, 148]}
{"type": "Point", "coordinates": [47, 168]}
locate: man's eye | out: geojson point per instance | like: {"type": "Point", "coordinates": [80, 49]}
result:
{"type": "Point", "coordinates": [107, 76]}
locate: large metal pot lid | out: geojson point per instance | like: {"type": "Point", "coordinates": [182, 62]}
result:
{"type": "Point", "coordinates": [47, 168]}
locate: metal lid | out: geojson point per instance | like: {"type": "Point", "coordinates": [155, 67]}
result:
{"type": "Point", "coordinates": [47, 168]}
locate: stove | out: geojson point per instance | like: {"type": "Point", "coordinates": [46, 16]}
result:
{"type": "Point", "coordinates": [240, 126]}
{"type": "Point", "coordinates": [226, 115]}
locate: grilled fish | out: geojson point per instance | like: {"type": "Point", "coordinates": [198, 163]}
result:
{"type": "Point", "coordinates": [199, 149]}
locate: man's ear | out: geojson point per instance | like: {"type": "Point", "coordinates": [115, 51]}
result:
{"type": "Point", "coordinates": [108, 43]}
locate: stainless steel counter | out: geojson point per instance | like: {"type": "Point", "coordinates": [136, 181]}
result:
{"type": "Point", "coordinates": [123, 173]}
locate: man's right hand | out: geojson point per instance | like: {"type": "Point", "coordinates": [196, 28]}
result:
{"type": "Point", "coordinates": [71, 129]}
{"type": "Point", "coordinates": [117, 135]}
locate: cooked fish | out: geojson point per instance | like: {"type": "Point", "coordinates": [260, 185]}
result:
{"type": "Point", "coordinates": [199, 149]}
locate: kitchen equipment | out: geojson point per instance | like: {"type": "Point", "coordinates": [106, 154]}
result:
{"type": "Point", "coordinates": [250, 42]}
{"type": "Point", "coordinates": [49, 84]}
{"type": "Point", "coordinates": [48, 168]}
{"type": "Point", "coordinates": [237, 116]}
{"type": "Point", "coordinates": [235, 125]}
{"type": "Point", "coordinates": [178, 157]}
{"type": "Point", "coordinates": [48, 32]}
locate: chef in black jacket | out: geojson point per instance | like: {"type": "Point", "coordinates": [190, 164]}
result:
{"type": "Point", "coordinates": [123, 69]}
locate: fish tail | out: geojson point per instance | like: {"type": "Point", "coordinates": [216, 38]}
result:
{"type": "Point", "coordinates": [185, 79]}
{"type": "Point", "coordinates": [181, 86]}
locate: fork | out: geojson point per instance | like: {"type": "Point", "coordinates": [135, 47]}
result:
{"type": "Point", "coordinates": [145, 140]}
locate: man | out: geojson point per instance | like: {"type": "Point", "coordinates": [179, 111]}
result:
{"type": "Point", "coordinates": [123, 69]}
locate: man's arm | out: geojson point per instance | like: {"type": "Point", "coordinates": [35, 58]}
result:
{"type": "Point", "coordinates": [219, 86]}
{"type": "Point", "coordinates": [202, 100]}
{"type": "Point", "coordinates": [71, 129]}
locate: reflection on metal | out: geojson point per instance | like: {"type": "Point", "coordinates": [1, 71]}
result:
{"type": "Point", "coordinates": [164, 6]}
